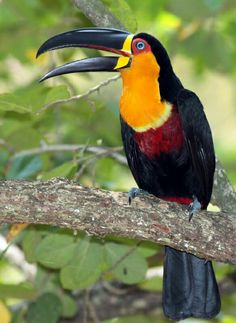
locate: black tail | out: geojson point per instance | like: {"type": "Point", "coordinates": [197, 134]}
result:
{"type": "Point", "coordinates": [190, 287]}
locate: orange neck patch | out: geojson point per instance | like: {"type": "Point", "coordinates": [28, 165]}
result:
{"type": "Point", "coordinates": [140, 105]}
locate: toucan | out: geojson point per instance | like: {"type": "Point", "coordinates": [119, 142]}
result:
{"type": "Point", "coordinates": [167, 142]}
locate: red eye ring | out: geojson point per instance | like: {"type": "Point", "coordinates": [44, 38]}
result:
{"type": "Point", "coordinates": [140, 45]}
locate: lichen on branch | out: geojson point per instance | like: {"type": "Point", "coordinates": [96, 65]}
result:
{"type": "Point", "coordinates": [63, 203]}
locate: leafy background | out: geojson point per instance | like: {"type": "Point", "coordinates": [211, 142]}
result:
{"type": "Point", "coordinates": [200, 38]}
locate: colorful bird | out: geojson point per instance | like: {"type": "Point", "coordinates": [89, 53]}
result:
{"type": "Point", "coordinates": [168, 144]}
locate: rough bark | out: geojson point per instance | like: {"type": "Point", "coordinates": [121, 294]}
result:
{"type": "Point", "coordinates": [223, 195]}
{"type": "Point", "coordinates": [62, 203]}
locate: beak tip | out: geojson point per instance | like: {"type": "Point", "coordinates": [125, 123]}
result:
{"type": "Point", "coordinates": [45, 77]}
{"type": "Point", "coordinates": [39, 52]}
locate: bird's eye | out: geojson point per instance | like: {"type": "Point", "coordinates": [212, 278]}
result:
{"type": "Point", "coordinates": [140, 45]}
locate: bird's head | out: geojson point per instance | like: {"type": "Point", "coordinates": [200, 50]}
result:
{"type": "Point", "coordinates": [129, 47]}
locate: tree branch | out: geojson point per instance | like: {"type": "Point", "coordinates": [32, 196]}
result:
{"type": "Point", "coordinates": [113, 152]}
{"type": "Point", "coordinates": [223, 192]}
{"type": "Point", "coordinates": [98, 13]}
{"type": "Point", "coordinates": [84, 95]}
{"type": "Point", "coordinates": [223, 195]}
{"type": "Point", "coordinates": [62, 203]}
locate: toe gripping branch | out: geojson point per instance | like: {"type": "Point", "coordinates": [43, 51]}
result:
{"type": "Point", "coordinates": [134, 192]}
{"type": "Point", "coordinates": [194, 207]}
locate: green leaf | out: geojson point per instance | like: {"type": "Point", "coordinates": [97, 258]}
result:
{"type": "Point", "coordinates": [85, 268]}
{"type": "Point", "coordinates": [23, 167]}
{"type": "Point", "coordinates": [69, 306]}
{"type": "Point", "coordinates": [36, 97]}
{"type": "Point", "coordinates": [32, 98]}
{"type": "Point", "coordinates": [127, 265]}
{"type": "Point", "coordinates": [24, 137]}
{"type": "Point", "coordinates": [122, 11]}
{"type": "Point", "coordinates": [56, 250]}
{"type": "Point", "coordinates": [67, 169]}
{"type": "Point", "coordinates": [11, 102]}
{"type": "Point", "coordinates": [19, 291]}
{"type": "Point", "coordinates": [148, 249]}
{"type": "Point", "coordinates": [57, 93]}
{"type": "Point", "coordinates": [30, 243]}
{"type": "Point", "coordinates": [46, 309]}
{"type": "Point", "coordinates": [46, 280]}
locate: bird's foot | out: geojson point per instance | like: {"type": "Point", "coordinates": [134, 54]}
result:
{"type": "Point", "coordinates": [134, 191]}
{"type": "Point", "coordinates": [194, 207]}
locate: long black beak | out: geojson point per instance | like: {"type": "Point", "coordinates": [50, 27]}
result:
{"type": "Point", "coordinates": [111, 40]}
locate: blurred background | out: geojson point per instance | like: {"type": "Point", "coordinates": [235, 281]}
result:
{"type": "Point", "coordinates": [200, 37]}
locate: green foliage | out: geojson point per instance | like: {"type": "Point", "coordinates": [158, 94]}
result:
{"type": "Point", "coordinates": [32, 98]}
{"type": "Point", "coordinates": [148, 249]}
{"type": "Point", "coordinates": [82, 260]}
{"type": "Point", "coordinates": [126, 263]}
{"type": "Point", "coordinates": [85, 267]}
{"type": "Point", "coordinates": [69, 305]}
{"type": "Point", "coordinates": [24, 167]}
{"type": "Point", "coordinates": [11, 102]}
{"type": "Point", "coordinates": [202, 32]}
{"type": "Point", "coordinates": [23, 290]}
{"type": "Point", "coordinates": [47, 308]}
{"type": "Point", "coordinates": [30, 243]}
{"type": "Point", "coordinates": [55, 250]}
{"type": "Point", "coordinates": [67, 170]}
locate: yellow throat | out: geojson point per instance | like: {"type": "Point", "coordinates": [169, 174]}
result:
{"type": "Point", "coordinates": [140, 105]}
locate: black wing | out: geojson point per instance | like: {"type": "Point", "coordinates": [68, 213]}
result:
{"type": "Point", "coordinates": [199, 143]}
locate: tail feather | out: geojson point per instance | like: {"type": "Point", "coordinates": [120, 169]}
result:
{"type": "Point", "coordinates": [190, 287]}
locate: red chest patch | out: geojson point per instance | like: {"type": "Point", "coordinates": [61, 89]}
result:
{"type": "Point", "coordinates": [164, 139]}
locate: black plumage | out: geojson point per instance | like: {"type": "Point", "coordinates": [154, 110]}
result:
{"type": "Point", "coordinates": [173, 160]}
{"type": "Point", "coordinates": [189, 285]}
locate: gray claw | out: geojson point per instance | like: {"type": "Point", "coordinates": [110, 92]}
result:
{"type": "Point", "coordinates": [194, 207]}
{"type": "Point", "coordinates": [133, 192]}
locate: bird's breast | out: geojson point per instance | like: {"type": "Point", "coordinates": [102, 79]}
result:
{"type": "Point", "coordinates": [141, 105]}
{"type": "Point", "coordinates": [164, 139]}
{"type": "Point", "coordinates": [156, 123]}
